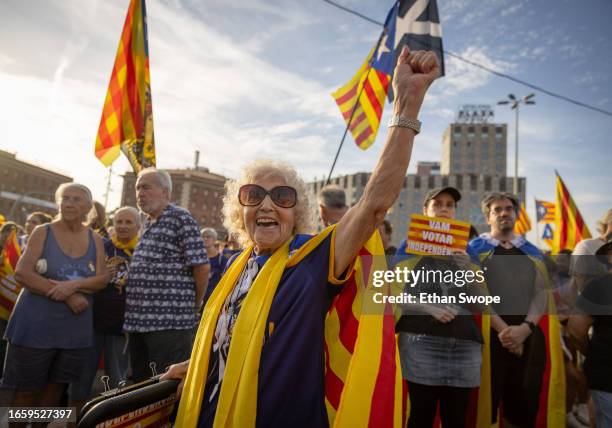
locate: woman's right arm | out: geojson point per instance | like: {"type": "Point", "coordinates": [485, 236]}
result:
{"type": "Point", "coordinates": [26, 273]}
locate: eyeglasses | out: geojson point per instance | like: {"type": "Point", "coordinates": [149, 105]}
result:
{"type": "Point", "coordinates": [507, 209]}
{"type": "Point", "coordinates": [251, 195]}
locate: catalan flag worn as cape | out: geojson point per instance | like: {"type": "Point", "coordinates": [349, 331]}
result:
{"type": "Point", "coordinates": [127, 117]}
{"type": "Point", "coordinates": [363, 384]}
{"type": "Point", "coordinates": [551, 411]}
{"type": "Point", "coordinates": [9, 288]}
{"type": "Point", "coordinates": [363, 378]}
{"type": "Point", "coordinates": [570, 227]}
{"type": "Point", "coordinates": [523, 222]}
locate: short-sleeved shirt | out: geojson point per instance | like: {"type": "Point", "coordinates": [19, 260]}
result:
{"type": "Point", "coordinates": [596, 300]}
{"type": "Point", "coordinates": [160, 291]}
{"type": "Point", "coordinates": [291, 386]}
{"type": "Point", "coordinates": [109, 303]}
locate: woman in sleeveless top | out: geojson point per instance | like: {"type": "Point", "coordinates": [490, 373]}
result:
{"type": "Point", "coordinates": [51, 326]}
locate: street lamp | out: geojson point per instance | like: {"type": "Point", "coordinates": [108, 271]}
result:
{"type": "Point", "coordinates": [514, 105]}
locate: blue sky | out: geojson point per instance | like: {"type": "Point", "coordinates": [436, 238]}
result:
{"type": "Point", "coordinates": [239, 80]}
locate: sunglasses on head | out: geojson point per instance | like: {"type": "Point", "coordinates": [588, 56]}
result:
{"type": "Point", "coordinates": [251, 195]}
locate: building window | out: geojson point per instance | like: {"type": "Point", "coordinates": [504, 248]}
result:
{"type": "Point", "coordinates": [459, 181]}
{"type": "Point", "coordinates": [417, 182]}
{"type": "Point", "coordinates": [502, 184]}
{"type": "Point", "coordinates": [473, 182]}
{"type": "Point", "coordinates": [431, 183]}
{"type": "Point", "coordinates": [487, 183]}
{"type": "Point", "coordinates": [445, 181]}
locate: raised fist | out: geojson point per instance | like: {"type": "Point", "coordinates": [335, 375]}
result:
{"type": "Point", "coordinates": [414, 73]}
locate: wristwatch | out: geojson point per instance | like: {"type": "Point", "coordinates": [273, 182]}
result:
{"type": "Point", "coordinates": [404, 122]}
{"type": "Point", "coordinates": [531, 325]}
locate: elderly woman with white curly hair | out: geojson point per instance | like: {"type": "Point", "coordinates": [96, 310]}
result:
{"type": "Point", "coordinates": [258, 358]}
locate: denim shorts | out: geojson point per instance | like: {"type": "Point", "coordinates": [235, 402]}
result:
{"type": "Point", "coordinates": [603, 407]}
{"type": "Point", "coordinates": [440, 361]}
{"type": "Point", "coordinates": [33, 368]}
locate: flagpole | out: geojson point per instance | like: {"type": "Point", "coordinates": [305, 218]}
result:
{"type": "Point", "coordinates": [108, 185]}
{"type": "Point", "coordinates": [354, 109]}
{"type": "Point", "coordinates": [536, 225]}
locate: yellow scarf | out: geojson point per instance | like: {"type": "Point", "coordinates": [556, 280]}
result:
{"type": "Point", "coordinates": [128, 248]}
{"type": "Point", "coordinates": [237, 406]}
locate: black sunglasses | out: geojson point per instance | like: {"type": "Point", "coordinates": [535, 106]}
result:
{"type": "Point", "coordinates": [250, 195]}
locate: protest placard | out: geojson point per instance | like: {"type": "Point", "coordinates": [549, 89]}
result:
{"type": "Point", "coordinates": [433, 235]}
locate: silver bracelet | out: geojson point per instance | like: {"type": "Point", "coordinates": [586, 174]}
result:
{"type": "Point", "coordinates": [404, 122]}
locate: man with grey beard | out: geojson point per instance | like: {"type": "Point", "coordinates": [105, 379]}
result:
{"type": "Point", "coordinates": [167, 281]}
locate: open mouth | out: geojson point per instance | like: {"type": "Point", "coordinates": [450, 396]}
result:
{"type": "Point", "coordinates": [266, 222]}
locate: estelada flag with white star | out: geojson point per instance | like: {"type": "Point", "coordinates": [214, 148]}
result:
{"type": "Point", "coordinates": [362, 99]}
{"type": "Point", "coordinates": [127, 117]}
{"type": "Point", "coordinates": [545, 211]}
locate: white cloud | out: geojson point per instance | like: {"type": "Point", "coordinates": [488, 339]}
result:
{"type": "Point", "coordinates": [462, 76]}
{"type": "Point", "coordinates": [225, 82]}
{"type": "Point", "coordinates": [515, 7]}
{"type": "Point", "coordinates": [203, 95]}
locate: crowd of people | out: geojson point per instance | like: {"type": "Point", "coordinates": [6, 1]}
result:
{"type": "Point", "coordinates": [133, 289]}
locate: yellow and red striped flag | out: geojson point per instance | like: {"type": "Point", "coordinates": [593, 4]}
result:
{"type": "Point", "coordinates": [365, 93]}
{"type": "Point", "coordinates": [9, 288]}
{"type": "Point", "coordinates": [523, 222]}
{"type": "Point", "coordinates": [570, 227]}
{"type": "Point", "coordinates": [363, 379]}
{"type": "Point", "coordinates": [362, 99]}
{"type": "Point", "coordinates": [127, 119]}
